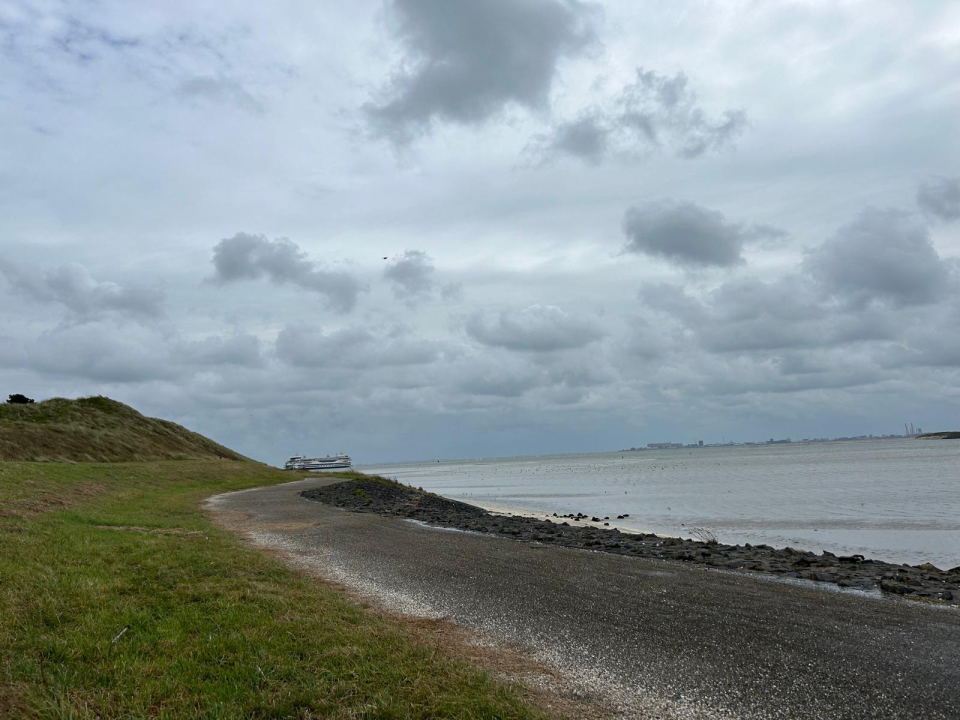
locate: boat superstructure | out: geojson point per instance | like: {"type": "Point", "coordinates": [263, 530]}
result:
{"type": "Point", "coordinates": [302, 462]}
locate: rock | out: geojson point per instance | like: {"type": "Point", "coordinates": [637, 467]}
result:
{"type": "Point", "coordinates": [896, 588]}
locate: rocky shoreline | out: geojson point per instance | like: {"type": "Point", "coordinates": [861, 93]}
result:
{"type": "Point", "coordinates": [384, 497]}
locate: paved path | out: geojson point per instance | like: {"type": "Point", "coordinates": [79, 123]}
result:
{"type": "Point", "coordinates": [658, 638]}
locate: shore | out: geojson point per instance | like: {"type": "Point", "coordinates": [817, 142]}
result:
{"type": "Point", "coordinates": [643, 637]}
{"type": "Point", "coordinates": [854, 572]}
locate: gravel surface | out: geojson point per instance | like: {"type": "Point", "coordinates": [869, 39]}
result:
{"type": "Point", "coordinates": [654, 638]}
{"type": "Point", "coordinates": [924, 582]}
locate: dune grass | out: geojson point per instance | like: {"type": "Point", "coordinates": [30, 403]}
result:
{"type": "Point", "coordinates": [119, 598]}
{"type": "Point", "coordinates": [97, 429]}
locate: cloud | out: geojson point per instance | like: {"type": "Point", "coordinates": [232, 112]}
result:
{"type": "Point", "coordinates": [240, 349]}
{"type": "Point", "coordinates": [690, 235]}
{"type": "Point", "coordinates": [748, 315]}
{"type": "Point", "coordinates": [586, 138]}
{"type": "Point", "coordinates": [501, 382]}
{"type": "Point", "coordinates": [104, 351]}
{"type": "Point", "coordinates": [220, 90]}
{"type": "Point", "coordinates": [452, 291]}
{"type": "Point", "coordinates": [538, 328]}
{"type": "Point", "coordinates": [654, 112]}
{"type": "Point", "coordinates": [411, 275]}
{"type": "Point", "coordinates": [883, 255]}
{"type": "Point", "coordinates": [465, 61]}
{"type": "Point", "coordinates": [307, 346]}
{"type": "Point", "coordinates": [665, 111]}
{"type": "Point", "coordinates": [940, 198]}
{"type": "Point", "coordinates": [250, 257]}
{"type": "Point", "coordinates": [72, 286]}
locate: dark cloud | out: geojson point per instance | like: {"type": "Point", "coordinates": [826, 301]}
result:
{"type": "Point", "coordinates": [250, 257]}
{"type": "Point", "coordinates": [73, 287]}
{"type": "Point", "coordinates": [308, 346]}
{"type": "Point", "coordinates": [411, 275]}
{"type": "Point", "coordinates": [940, 198]}
{"type": "Point", "coordinates": [690, 235]}
{"type": "Point", "coordinates": [465, 61]}
{"type": "Point", "coordinates": [883, 255]}
{"type": "Point", "coordinates": [538, 328]}
{"type": "Point", "coordinates": [220, 90]}
{"type": "Point", "coordinates": [586, 139]}
{"type": "Point", "coordinates": [874, 293]}
{"type": "Point", "coordinates": [654, 112]}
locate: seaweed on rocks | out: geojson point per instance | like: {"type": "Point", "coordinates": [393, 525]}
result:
{"type": "Point", "coordinates": [386, 497]}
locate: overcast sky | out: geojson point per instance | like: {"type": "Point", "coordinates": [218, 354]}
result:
{"type": "Point", "coordinates": [413, 229]}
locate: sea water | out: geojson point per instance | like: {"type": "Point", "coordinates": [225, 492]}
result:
{"type": "Point", "coordinates": [893, 500]}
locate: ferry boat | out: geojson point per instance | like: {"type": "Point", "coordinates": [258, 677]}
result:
{"type": "Point", "coordinates": [302, 462]}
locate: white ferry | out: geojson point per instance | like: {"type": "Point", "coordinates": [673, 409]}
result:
{"type": "Point", "coordinates": [302, 462]}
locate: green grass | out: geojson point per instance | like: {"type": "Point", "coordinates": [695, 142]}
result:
{"type": "Point", "coordinates": [97, 429]}
{"type": "Point", "coordinates": [101, 620]}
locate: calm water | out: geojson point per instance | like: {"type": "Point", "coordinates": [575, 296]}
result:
{"type": "Point", "coordinates": [894, 500]}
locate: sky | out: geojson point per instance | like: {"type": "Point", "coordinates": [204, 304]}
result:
{"type": "Point", "coordinates": [417, 229]}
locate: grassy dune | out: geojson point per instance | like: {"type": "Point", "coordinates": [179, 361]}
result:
{"type": "Point", "coordinates": [97, 429]}
{"type": "Point", "coordinates": [119, 598]}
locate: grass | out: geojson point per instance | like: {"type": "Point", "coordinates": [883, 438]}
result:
{"type": "Point", "coordinates": [119, 598]}
{"type": "Point", "coordinates": [97, 429]}
{"type": "Point", "coordinates": [704, 535]}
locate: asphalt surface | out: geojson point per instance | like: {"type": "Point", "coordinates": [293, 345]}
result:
{"type": "Point", "coordinates": [654, 638]}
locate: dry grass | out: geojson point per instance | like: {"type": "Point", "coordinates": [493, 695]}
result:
{"type": "Point", "coordinates": [97, 429]}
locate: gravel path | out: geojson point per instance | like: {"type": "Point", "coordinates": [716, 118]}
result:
{"type": "Point", "coordinates": [652, 637]}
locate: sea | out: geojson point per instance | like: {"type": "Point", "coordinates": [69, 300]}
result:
{"type": "Point", "coordinates": [896, 500]}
